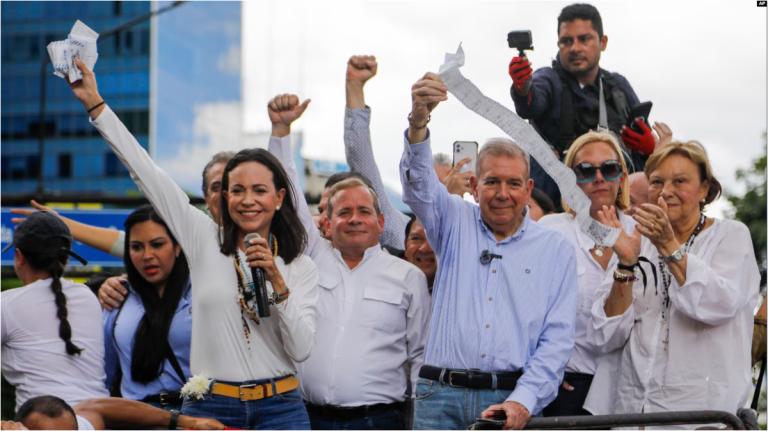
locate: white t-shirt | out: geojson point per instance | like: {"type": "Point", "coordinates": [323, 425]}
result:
{"type": "Point", "coordinates": [34, 357]}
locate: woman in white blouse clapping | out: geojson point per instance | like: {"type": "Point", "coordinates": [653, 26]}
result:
{"type": "Point", "coordinates": [684, 337]}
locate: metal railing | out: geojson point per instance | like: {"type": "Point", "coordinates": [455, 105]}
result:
{"type": "Point", "coordinates": [632, 420]}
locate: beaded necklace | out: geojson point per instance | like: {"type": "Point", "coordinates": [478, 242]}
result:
{"type": "Point", "coordinates": [667, 277]}
{"type": "Point", "coordinates": [246, 294]}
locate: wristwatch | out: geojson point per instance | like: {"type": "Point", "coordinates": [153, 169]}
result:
{"type": "Point", "coordinates": [674, 257]}
{"type": "Point", "coordinates": [174, 419]}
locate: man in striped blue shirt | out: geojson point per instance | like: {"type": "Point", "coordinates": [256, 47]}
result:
{"type": "Point", "coordinates": [504, 299]}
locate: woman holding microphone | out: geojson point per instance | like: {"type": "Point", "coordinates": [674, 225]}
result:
{"type": "Point", "coordinates": [250, 358]}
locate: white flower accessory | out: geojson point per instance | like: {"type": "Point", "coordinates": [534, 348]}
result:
{"type": "Point", "coordinates": [197, 386]}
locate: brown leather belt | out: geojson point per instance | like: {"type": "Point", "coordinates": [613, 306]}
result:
{"type": "Point", "coordinates": [255, 391]}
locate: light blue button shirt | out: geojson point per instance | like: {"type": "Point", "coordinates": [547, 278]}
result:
{"type": "Point", "coordinates": [120, 327]}
{"type": "Point", "coordinates": [515, 313]}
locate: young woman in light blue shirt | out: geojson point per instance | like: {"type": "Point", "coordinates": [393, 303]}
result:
{"type": "Point", "coordinates": [147, 339]}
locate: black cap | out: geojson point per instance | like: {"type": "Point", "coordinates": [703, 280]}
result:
{"type": "Point", "coordinates": [33, 235]}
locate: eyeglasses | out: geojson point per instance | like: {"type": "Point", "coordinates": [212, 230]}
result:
{"type": "Point", "coordinates": [585, 172]}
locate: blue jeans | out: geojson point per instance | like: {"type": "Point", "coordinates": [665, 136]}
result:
{"type": "Point", "coordinates": [391, 420]}
{"type": "Point", "coordinates": [438, 407]}
{"type": "Point", "coordinates": [284, 411]}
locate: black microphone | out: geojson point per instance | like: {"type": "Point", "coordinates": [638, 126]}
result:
{"type": "Point", "coordinates": [259, 286]}
{"type": "Point", "coordinates": [486, 257]}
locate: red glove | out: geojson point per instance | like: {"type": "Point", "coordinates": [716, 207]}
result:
{"type": "Point", "coordinates": [520, 71]}
{"type": "Point", "coordinates": [643, 143]}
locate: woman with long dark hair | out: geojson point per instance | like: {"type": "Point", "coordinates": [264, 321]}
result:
{"type": "Point", "coordinates": [249, 357]}
{"type": "Point", "coordinates": [147, 339]}
{"type": "Point", "coordinates": [51, 338]}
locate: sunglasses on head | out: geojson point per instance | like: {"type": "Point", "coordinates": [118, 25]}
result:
{"type": "Point", "coordinates": [585, 172]}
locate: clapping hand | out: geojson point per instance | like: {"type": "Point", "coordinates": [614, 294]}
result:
{"type": "Point", "coordinates": [653, 223]}
{"type": "Point", "coordinates": [627, 247]}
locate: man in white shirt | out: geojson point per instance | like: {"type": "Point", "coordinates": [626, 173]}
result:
{"type": "Point", "coordinates": [373, 308]}
{"type": "Point", "coordinates": [52, 413]}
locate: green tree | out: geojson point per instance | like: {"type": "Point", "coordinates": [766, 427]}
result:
{"type": "Point", "coordinates": [750, 209]}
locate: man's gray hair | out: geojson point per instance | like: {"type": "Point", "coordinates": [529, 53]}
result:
{"type": "Point", "coordinates": [441, 159]}
{"type": "Point", "coordinates": [497, 147]}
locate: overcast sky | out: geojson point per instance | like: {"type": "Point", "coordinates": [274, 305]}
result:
{"type": "Point", "coordinates": [702, 64]}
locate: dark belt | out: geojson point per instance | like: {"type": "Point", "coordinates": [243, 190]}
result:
{"type": "Point", "coordinates": [578, 377]}
{"type": "Point", "coordinates": [165, 399]}
{"type": "Point", "coordinates": [472, 379]}
{"type": "Point", "coordinates": [338, 413]}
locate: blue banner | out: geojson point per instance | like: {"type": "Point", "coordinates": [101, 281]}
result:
{"type": "Point", "coordinates": [111, 219]}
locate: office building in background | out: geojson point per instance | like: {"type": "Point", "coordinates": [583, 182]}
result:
{"type": "Point", "coordinates": [156, 75]}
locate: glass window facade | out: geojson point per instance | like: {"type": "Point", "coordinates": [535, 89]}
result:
{"type": "Point", "coordinates": [74, 156]}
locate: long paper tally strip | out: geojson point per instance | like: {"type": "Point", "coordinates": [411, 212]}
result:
{"type": "Point", "coordinates": [525, 136]}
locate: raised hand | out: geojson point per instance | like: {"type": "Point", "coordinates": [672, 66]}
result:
{"type": "Point", "coordinates": [425, 95]}
{"type": "Point", "coordinates": [283, 110]}
{"type": "Point", "coordinates": [664, 132]}
{"type": "Point", "coordinates": [361, 68]}
{"type": "Point", "coordinates": [86, 90]}
{"type": "Point", "coordinates": [627, 247]}
{"type": "Point", "coordinates": [643, 142]}
{"type": "Point", "coordinates": [520, 71]}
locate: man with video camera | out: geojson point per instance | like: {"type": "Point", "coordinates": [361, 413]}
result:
{"type": "Point", "coordinates": [564, 101]}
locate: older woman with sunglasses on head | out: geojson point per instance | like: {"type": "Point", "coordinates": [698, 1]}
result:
{"type": "Point", "coordinates": [601, 173]}
{"type": "Point", "coordinates": [685, 337]}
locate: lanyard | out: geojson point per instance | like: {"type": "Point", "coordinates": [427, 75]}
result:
{"type": "Point", "coordinates": [602, 124]}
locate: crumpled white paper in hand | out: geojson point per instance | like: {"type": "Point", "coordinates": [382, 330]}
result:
{"type": "Point", "coordinates": [525, 136]}
{"type": "Point", "coordinates": [80, 43]}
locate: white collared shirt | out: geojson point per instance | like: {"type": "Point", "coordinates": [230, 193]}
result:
{"type": "Point", "coordinates": [370, 320]}
{"type": "Point", "coordinates": [705, 362]}
{"type": "Point", "coordinates": [590, 274]}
